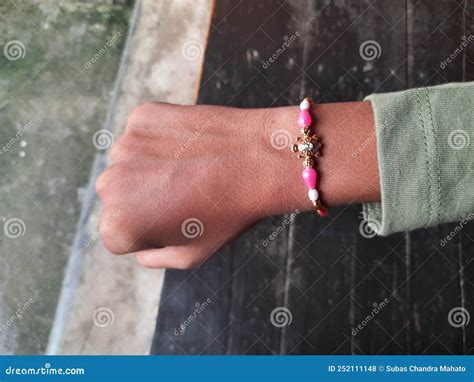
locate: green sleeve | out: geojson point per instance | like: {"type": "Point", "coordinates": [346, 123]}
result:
{"type": "Point", "coordinates": [425, 157]}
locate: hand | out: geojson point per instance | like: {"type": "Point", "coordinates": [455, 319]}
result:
{"type": "Point", "coordinates": [183, 181]}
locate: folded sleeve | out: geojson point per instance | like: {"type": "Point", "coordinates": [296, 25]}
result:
{"type": "Point", "coordinates": [425, 157]}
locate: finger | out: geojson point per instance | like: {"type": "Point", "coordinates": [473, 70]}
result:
{"type": "Point", "coordinates": [178, 257]}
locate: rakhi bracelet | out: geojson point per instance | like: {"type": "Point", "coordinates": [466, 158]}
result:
{"type": "Point", "coordinates": [308, 147]}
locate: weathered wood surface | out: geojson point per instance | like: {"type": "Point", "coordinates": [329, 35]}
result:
{"type": "Point", "coordinates": [325, 272]}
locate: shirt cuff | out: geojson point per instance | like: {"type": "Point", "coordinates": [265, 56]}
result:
{"type": "Point", "coordinates": [424, 157]}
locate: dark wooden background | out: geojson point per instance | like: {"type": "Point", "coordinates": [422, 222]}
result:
{"type": "Point", "coordinates": [323, 270]}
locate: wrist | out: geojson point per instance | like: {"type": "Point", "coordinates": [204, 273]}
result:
{"type": "Point", "coordinates": [281, 170]}
{"type": "Point", "coordinates": [347, 169]}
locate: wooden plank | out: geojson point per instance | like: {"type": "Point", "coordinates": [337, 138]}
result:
{"type": "Point", "coordinates": [465, 247]}
{"type": "Point", "coordinates": [195, 308]}
{"type": "Point", "coordinates": [466, 237]}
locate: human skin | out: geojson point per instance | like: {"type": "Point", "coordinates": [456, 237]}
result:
{"type": "Point", "coordinates": [225, 169]}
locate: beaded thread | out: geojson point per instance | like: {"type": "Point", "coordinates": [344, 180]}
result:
{"type": "Point", "coordinates": [308, 146]}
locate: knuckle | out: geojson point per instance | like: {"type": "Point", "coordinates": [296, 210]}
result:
{"type": "Point", "coordinates": [116, 172]}
{"type": "Point", "coordinates": [108, 178]}
{"type": "Point", "coordinates": [101, 184]}
{"type": "Point", "coordinates": [139, 115]}
{"type": "Point", "coordinates": [114, 246]}
{"type": "Point", "coordinates": [115, 233]}
{"type": "Point", "coordinates": [119, 151]}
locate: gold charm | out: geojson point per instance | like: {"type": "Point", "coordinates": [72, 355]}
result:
{"type": "Point", "coordinates": [307, 146]}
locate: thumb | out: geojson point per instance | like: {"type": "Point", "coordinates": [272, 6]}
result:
{"type": "Point", "coordinates": [178, 257]}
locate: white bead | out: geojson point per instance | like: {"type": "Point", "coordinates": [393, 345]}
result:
{"type": "Point", "coordinates": [313, 195]}
{"type": "Point", "coordinates": [304, 105]}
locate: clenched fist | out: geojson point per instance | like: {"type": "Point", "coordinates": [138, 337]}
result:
{"type": "Point", "coordinates": [184, 180]}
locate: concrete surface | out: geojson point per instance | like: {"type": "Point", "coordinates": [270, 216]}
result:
{"type": "Point", "coordinates": [50, 107]}
{"type": "Point", "coordinates": [109, 304]}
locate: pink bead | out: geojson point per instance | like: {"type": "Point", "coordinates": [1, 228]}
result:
{"type": "Point", "coordinates": [304, 119]}
{"type": "Point", "coordinates": [309, 176]}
